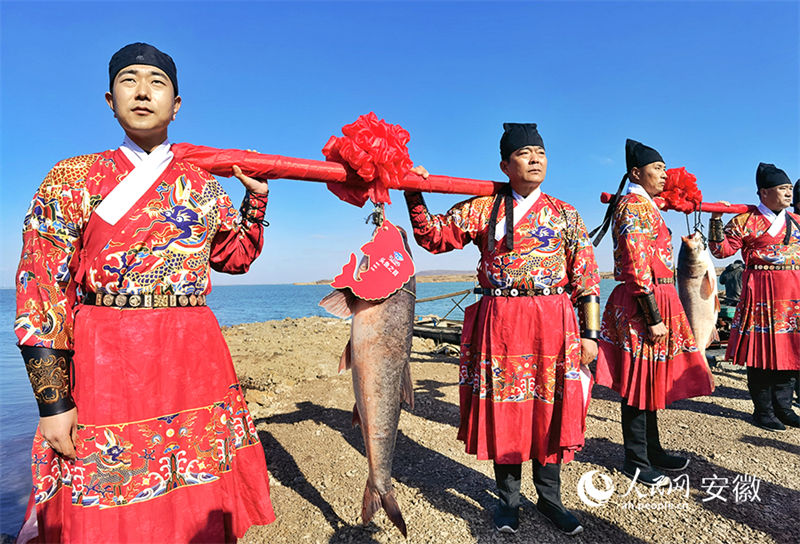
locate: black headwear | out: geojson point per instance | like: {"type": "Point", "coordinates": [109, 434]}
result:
{"type": "Point", "coordinates": [769, 175]}
{"type": "Point", "coordinates": [142, 53]}
{"type": "Point", "coordinates": [796, 197]}
{"type": "Point", "coordinates": [636, 155]}
{"type": "Point", "coordinates": [518, 135]}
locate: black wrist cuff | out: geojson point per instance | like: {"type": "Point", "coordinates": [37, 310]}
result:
{"type": "Point", "coordinates": [715, 231]}
{"type": "Point", "coordinates": [49, 373]}
{"type": "Point", "coordinates": [649, 308]}
{"type": "Point", "coordinates": [254, 208]}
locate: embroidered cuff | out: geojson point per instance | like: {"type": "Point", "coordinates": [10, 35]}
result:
{"type": "Point", "coordinates": [589, 316]}
{"type": "Point", "coordinates": [715, 230]}
{"type": "Point", "coordinates": [417, 209]}
{"type": "Point", "coordinates": [254, 208]}
{"type": "Point", "coordinates": [649, 308]}
{"type": "Point", "coordinates": [414, 199]}
{"type": "Point", "coordinates": [49, 372]}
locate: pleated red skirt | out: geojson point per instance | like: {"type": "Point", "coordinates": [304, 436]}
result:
{"type": "Point", "coordinates": [523, 394]}
{"type": "Point", "coordinates": [167, 451]}
{"type": "Point", "coordinates": [650, 376]}
{"type": "Point", "coordinates": [765, 331]}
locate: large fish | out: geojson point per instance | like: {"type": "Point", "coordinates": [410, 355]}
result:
{"type": "Point", "coordinates": [378, 354]}
{"type": "Point", "coordinates": [697, 288]}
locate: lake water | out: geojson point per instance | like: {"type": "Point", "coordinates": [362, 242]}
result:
{"type": "Point", "coordinates": [232, 305]}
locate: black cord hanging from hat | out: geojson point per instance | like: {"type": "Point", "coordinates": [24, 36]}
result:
{"type": "Point", "coordinates": [503, 196]}
{"type": "Point", "coordinates": [602, 228]}
{"type": "Point", "coordinates": [796, 197]}
{"type": "Point", "coordinates": [790, 221]}
{"type": "Point", "coordinates": [637, 155]}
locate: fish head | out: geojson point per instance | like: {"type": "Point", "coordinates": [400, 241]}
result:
{"type": "Point", "coordinates": [694, 241]}
{"type": "Point", "coordinates": [693, 258]}
{"type": "Point", "coordinates": [404, 235]}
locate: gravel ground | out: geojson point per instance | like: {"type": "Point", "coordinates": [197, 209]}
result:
{"type": "Point", "coordinates": [302, 409]}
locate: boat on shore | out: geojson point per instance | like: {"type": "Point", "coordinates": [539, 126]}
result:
{"type": "Point", "coordinates": [441, 329]}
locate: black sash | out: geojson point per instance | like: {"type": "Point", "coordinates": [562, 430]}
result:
{"type": "Point", "coordinates": [504, 195]}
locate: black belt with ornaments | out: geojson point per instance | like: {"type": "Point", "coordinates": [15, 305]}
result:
{"type": "Point", "coordinates": [144, 300]}
{"type": "Point", "coordinates": [514, 292]}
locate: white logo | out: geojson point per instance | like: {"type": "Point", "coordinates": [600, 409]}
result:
{"type": "Point", "coordinates": [589, 494]}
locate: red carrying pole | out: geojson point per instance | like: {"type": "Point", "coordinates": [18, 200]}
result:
{"type": "Point", "coordinates": [712, 207]}
{"type": "Point", "coordinates": [220, 162]}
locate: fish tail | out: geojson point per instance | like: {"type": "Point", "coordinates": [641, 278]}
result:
{"type": "Point", "coordinates": [374, 501]}
{"type": "Point", "coordinates": [370, 504]}
{"type": "Point", "coordinates": [389, 503]}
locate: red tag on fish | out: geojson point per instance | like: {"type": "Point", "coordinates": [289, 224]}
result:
{"type": "Point", "coordinates": [385, 268]}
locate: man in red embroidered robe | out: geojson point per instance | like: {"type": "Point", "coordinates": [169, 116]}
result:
{"type": "Point", "coordinates": [647, 350]}
{"type": "Point", "coordinates": [521, 388]}
{"type": "Point", "coordinates": [765, 331]}
{"type": "Point", "coordinates": [144, 435]}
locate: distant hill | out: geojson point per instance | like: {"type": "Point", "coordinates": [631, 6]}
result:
{"type": "Point", "coordinates": [445, 272]}
{"type": "Point", "coordinates": [438, 276]}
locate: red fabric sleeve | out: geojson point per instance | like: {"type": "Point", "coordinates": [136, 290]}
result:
{"type": "Point", "coordinates": [238, 242]}
{"type": "Point", "coordinates": [581, 265]}
{"type": "Point", "coordinates": [734, 233]}
{"type": "Point", "coordinates": [440, 233]}
{"type": "Point", "coordinates": [50, 238]}
{"type": "Point", "coordinates": [635, 245]}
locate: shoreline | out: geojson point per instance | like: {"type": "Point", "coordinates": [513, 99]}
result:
{"type": "Point", "coordinates": [425, 277]}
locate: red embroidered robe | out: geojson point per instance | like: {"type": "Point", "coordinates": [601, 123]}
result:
{"type": "Point", "coordinates": [167, 451]}
{"type": "Point", "coordinates": [521, 394]}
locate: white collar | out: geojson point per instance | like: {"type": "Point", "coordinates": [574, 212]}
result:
{"type": "Point", "coordinates": [769, 214]}
{"type": "Point", "coordinates": [776, 220]}
{"type": "Point", "coordinates": [533, 197]}
{"type": "Point", "coordinates": [139, 156]}
{"type": "Point", "coordinates": [524, 204]}
{"type": "Point", "coordinates": [147, 168]}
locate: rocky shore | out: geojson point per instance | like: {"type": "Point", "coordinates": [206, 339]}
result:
{"type": "Point", "coordinates": [742, 485]}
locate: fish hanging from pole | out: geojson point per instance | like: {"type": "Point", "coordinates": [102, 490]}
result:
{"type": "Point", "coordinates": [380, 295]}
{"type": "Point", "coordinates": [697, 289]}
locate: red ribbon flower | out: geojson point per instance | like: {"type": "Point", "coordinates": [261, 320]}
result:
{"type": "Point", "coordinates": [376, 152]}
{"type": "Point", "coordinates": [681, 192]}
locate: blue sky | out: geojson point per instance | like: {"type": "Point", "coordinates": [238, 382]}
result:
{"type": "Point", "coordinates": [712, 85]}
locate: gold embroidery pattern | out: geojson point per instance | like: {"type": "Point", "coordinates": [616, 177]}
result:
{"type": "Point", "coordinates": [49, 377]}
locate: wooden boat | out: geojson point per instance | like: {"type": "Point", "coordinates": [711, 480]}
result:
{"type": "Point", "coordinates": [441, 329]}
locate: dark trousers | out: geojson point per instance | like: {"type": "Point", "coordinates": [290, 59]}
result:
{"type": "Point", "coordinates": [546, 479]}
{"type": "Point", "coordinates": [640, 436]}
{"type": "Point", "coordinates": [771, 391]}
